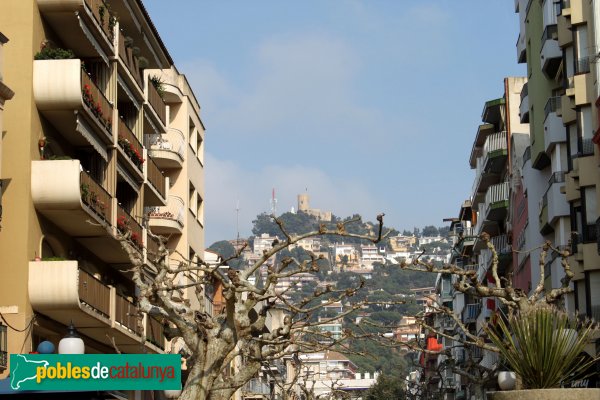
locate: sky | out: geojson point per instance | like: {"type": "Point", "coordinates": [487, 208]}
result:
{"type": "Point", "coordinates": [368, 106]}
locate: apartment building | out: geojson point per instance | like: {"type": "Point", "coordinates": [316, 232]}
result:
{"type": "Point", "coordinates": [562, 83]}
{"type": "Point", "coordinates": [5, 94]}
{"type": "Point", "coordinates": [105, 137]}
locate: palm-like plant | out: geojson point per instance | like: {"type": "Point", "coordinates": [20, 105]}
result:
{"type": "Point", "coordinates": [542, 345]}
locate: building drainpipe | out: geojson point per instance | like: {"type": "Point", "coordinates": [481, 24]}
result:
{"type": "Point", "coordinates": [508, 131]}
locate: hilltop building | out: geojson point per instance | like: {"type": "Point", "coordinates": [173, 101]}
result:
{"type": "Point", "coordinates": [304, 206]}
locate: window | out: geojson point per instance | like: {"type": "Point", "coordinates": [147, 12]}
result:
{"type": "Point", "coordinates": [200, 147]}
{"type": "Point", "coordinates": [192, 133]}
{"type": "Point", "coordinates": [200, 208]}
{"type": "Point", "coordinates": [193, 200]}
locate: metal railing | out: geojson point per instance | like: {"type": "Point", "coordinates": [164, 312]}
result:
{"type": "Point", "coordinates": [525, 90]}
{"type": "Point", "coordinates": [130, 145]}
{"type": "Point", "coordinates": [173, 140]}
{"type": "Point", "coordinates": [550, 33]}
{"type": "Point", "coordinates": [156, 177]}
{"type": "Point", "coordinates": [157, 102]}
{"type": "Point", "coordinates": [582, 65]}
{"type": "Point", "coordinates": [256, 386]}
{"type": "Point", "coordinates": [95, 196]}
{"type": "Point", "coordinates": [94, 293]}
{"type": "Point", "coordinates": [495, 194]}
{"type": "Point", "coordinates": [553, 104]}
{"type": "Point", "coordinates": [208, 305]}
{"type": "Point", "coordinates": [103, 16]}
{"type": "Point", "coordinates": [126, 223]}
{"type": "Point", "coordinates": [96, 101]}
{"type": "Point", "coordinates": [174, 210]}
{"type": "Point", "coordinates": [556, 177]}
{"type": "Point", "coordinates": [130, 61]}
{"type": "Point", "coordinates": [585, 147]}
{"type": "Point", "coordinates": [155, 333]}
{"type": "Point", "coordinates": [494, 142]}
{"type": "Point", "coordinates": [471, 312]}
{"type": "Point", "coordinates": [127, 314]}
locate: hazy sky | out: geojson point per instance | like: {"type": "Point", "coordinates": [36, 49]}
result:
{"type": "Point", "coordinates": [371, 106]}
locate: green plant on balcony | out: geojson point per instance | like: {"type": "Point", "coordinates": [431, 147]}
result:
{"type": "Point", "coordinates": [95, 107]}
{"type": "Point", "coordinates": [49, 53]}
{"type": "Point", "coordinates": [131, 151]}
{"type": "Point", "coordinates": [158, 85]}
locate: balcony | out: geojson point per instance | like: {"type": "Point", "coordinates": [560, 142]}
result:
{"type": "Point", "coordinates": [168, 219]}
{"type": "Point", "coordinates": [155, 332]}
{"type": "Point", "coordinates": [84, 26]}
{"type": "Point", "coordinates": [551, 54]}
{"type": "Point", "coordinates": [72, 200]}
{"type": "Point", "coordinates": [168, 149]}
{"type": "Point", "coordinates": [496, 202]}
{"type": "Point", "coordinates": [553, 204]}
{"type": "Point", "coordinates": [493, 157]}
{"type": "Point", "coordinates": [66, 293]}
{"type": "Point", "coordinates": [256, 387]}
{"type": "Point", "coordinates": [130, 149]}
{"type": "Point", "coordinates": [554, 130]}
{"type": "Point", "coordinates": [521, 49]}
{"type": "Point", "coordinates": [73, 103]}
{"type": "Point", "coordinates": [155, 107]}
{"type": "Point", "coordinates": [524, 106]}
{"type": "Point", "coordinates": [156, 184]}
{"type": "Point", "coordinates": [130, 65]}
{"type": "Point", "coordinates": [471, 312]}
{"type": "Point", "coordinates": [582, 65]}
{"type": "Point", "coordinates": [127, 224]}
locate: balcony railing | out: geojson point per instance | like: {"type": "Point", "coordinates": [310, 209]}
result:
{"type": "Point", "coordinates": [155, 333]}
{"type": "Point", "coordinates": [585, 147]}
{"type": "Point", "coordinates": [472, 312]}
{"type": "Point", "coordinates": [103, 17]}
{"type": "Point", "coordinates": [173, 140]}
{"type": "Point", "coordinates": [130, 61]}
{"type": "Point", "coordinates": [157, 102]}
{"type": "Point", "coordinates": [96, 102]}
{"type": "Point", "coordinates": [582, 65]}
{"type": "Point", "coordinates": [553, 104]}
{"type": "Point", "coordinates": [127, 314]}
{"type": "Point", "coordinates": [525, 90]}
{"type": "Point", "coordinates": [174, 210]}
{"type": "Point", "coordinates": [95, 197]}
{"type": "Point", "coordinates": [550, 33]}
{"type": "Point", "coordinates": [130, 145]}
{"type": "Point", "coordinates": [94, 293]}
{"type": "Point", "coordinates": [256, 386]}
{"type": "Point", "coordinates": [493, 143]}
{"type": "Point", "coordinates": [156, 178]}
{"type": "Point", "coordinates": [126, 223]}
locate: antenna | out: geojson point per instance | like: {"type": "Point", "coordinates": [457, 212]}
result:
{"type": "Point", "coordinates": [273, 203]}
{"type": "Point", "coordinates": [237, 220]}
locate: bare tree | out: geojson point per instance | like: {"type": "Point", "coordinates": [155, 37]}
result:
{"type": "Point", "coordinates": [240, 331]}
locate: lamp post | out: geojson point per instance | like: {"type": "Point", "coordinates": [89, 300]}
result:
{"type": "Point", "coordinates": [71, 343]}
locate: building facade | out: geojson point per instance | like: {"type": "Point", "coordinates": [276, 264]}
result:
{"type": "Point", "coordinates": [104, 139]}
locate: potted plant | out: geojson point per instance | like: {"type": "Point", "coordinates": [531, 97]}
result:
{"type": "Point", "coordinates": [543, 346]}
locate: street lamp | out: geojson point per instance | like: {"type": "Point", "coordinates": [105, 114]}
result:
{"type": "Point", "coordinates": [71, 343]}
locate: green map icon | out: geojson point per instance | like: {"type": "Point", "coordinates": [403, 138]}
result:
{"type": "Point", "coordinates": [24, 370]}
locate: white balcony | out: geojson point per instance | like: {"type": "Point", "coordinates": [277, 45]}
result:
{"type": "Point", "coordinates": [551, 54]}
{"type": "Point", "coordinates": [83, 26]}
{"type": "Point", "coordinates": [73, 103]}
{"type": "Point", "coordinates": [521, 48]}
{"type": "Point", "coordinates": [554, 131]}
{"type": "Point", "coordinates": [168, 219]}
{"type": "Point", "coordinates": [72, 200]}
{"type": "Point", "coordinates": [168, 149]}
{"type": "Point", "coordinates": [64, 292]}
{"type": "Point", "coordinates": [524, 106]}
{"type": "Point", "coordinates": [493, 157]}
{"type": "Point", "coordinates": [496, 202]}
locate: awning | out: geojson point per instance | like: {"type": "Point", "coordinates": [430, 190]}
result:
{"type": "Point", "coordinates": [87, 132]}
{"type": "Point", "coordinates": [93, 40]}
{"type": "Point", "coordinates": [128, 178]}
{"type": "Point", "coordinates": [128, 92]}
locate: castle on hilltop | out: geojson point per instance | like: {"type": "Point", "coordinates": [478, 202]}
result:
{"type": "Point", "coordinates": [304, 206]}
